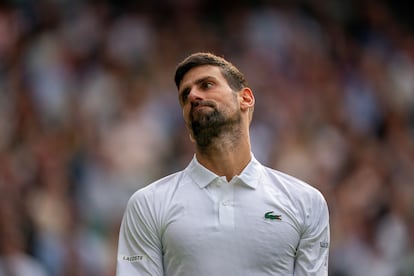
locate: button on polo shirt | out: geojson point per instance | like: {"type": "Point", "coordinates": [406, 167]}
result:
{"type": "Point", "coordinates": [262, 222]}
{"type": "Point", "coordinates": [222, 193]}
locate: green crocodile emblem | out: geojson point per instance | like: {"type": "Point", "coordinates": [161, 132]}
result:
{"type": "Point", "coordinates": [269, 215]}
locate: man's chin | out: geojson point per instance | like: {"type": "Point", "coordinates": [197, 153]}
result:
{"type": "Point", "coordinates": [201, 120]}
{"type": "Point", "coordinates": [201, 114]}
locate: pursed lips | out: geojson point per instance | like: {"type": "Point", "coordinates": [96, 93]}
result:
{"type": "Point", "coordinates": [197, 105]}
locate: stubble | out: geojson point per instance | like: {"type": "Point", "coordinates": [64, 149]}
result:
{"type": "Point", "coordinates": [208, 126]}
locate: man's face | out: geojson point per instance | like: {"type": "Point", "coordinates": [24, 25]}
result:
{"type": "Point", "coordinates": [209, 105]}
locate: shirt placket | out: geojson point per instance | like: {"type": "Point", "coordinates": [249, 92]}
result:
{"type": "Point", "coordinates": [226, 204]}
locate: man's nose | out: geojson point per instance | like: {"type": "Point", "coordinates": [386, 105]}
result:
{"type": "Point", "coordinates": [195, 94]}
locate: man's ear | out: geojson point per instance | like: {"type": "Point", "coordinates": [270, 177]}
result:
{"type": "Point", "coordinates": [191, 137]}
{"type": "Point", "coordinates": [190, 133]}
{"type": "Point", "coordinates": [246, 98]}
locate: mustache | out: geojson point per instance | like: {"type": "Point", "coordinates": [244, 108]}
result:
{"type": "Point", "coordinates": [202, 103]}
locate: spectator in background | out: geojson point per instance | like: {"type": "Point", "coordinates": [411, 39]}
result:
{"type": "Point", "coordinates": [335, 104]}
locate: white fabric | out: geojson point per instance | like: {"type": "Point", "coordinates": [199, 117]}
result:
{"type": "Point", "coordinates": [196, 223]}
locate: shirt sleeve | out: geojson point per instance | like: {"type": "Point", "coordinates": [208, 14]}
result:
{"type": "Point", "coordinates": [313, 250]}
{"type": "Point", "coordinates": [139, 246]}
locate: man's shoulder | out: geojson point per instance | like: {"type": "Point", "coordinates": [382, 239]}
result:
{"type": "Point", "coordinates": [291, 184]}
{"type": "Point", "coordinates": [159, 186]}
{"type": "Point", "coordinates": [297, 195]}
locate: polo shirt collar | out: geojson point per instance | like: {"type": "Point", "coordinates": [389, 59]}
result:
{"type": "Point", "coordinates": [251, 174]}
{"type": "Point", "coordinates": [203, 176]}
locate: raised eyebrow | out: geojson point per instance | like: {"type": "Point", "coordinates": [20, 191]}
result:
{"type": "Point", "coordinates": [201, 80]}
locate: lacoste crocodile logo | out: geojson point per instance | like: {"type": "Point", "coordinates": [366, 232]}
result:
{"type": "Point", "coordinates": [269, 215]}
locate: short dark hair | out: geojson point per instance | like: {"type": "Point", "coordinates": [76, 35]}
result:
{"type": "Point", "coordinates": [233, 76]}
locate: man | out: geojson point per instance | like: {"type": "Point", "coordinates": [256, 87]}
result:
{"type": "Point", "coordinates": [225, 213]}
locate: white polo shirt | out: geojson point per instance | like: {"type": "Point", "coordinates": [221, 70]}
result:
{"type": "Point", "coordinates": [262, 222]}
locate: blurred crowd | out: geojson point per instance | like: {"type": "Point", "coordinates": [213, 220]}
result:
{"type": "Point", "coordinates": [89, 114]}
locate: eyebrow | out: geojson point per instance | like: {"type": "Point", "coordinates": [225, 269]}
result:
{"type": "Point", "coordinates": [198, 81]}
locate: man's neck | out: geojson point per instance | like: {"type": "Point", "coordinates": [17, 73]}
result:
{"type": "Point", "coordinates": [225, 160]}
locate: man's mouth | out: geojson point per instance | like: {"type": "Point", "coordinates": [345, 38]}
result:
{"type": "Point", "coordinates": [201, 105]}
{"type": "Point", "coordinates": [198, 107]}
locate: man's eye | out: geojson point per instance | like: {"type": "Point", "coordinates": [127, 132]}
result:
{"type": "Point", "coordinates": [184, 95]}
{"type": "Point", "coordinates": [207, 84]}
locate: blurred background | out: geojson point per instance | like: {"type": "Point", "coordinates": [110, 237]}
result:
{"type": "Point", "coordinates": [89, 114]}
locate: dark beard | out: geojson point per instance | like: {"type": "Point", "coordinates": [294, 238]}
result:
{"type": "Point", "coordinates": [207, 127]}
